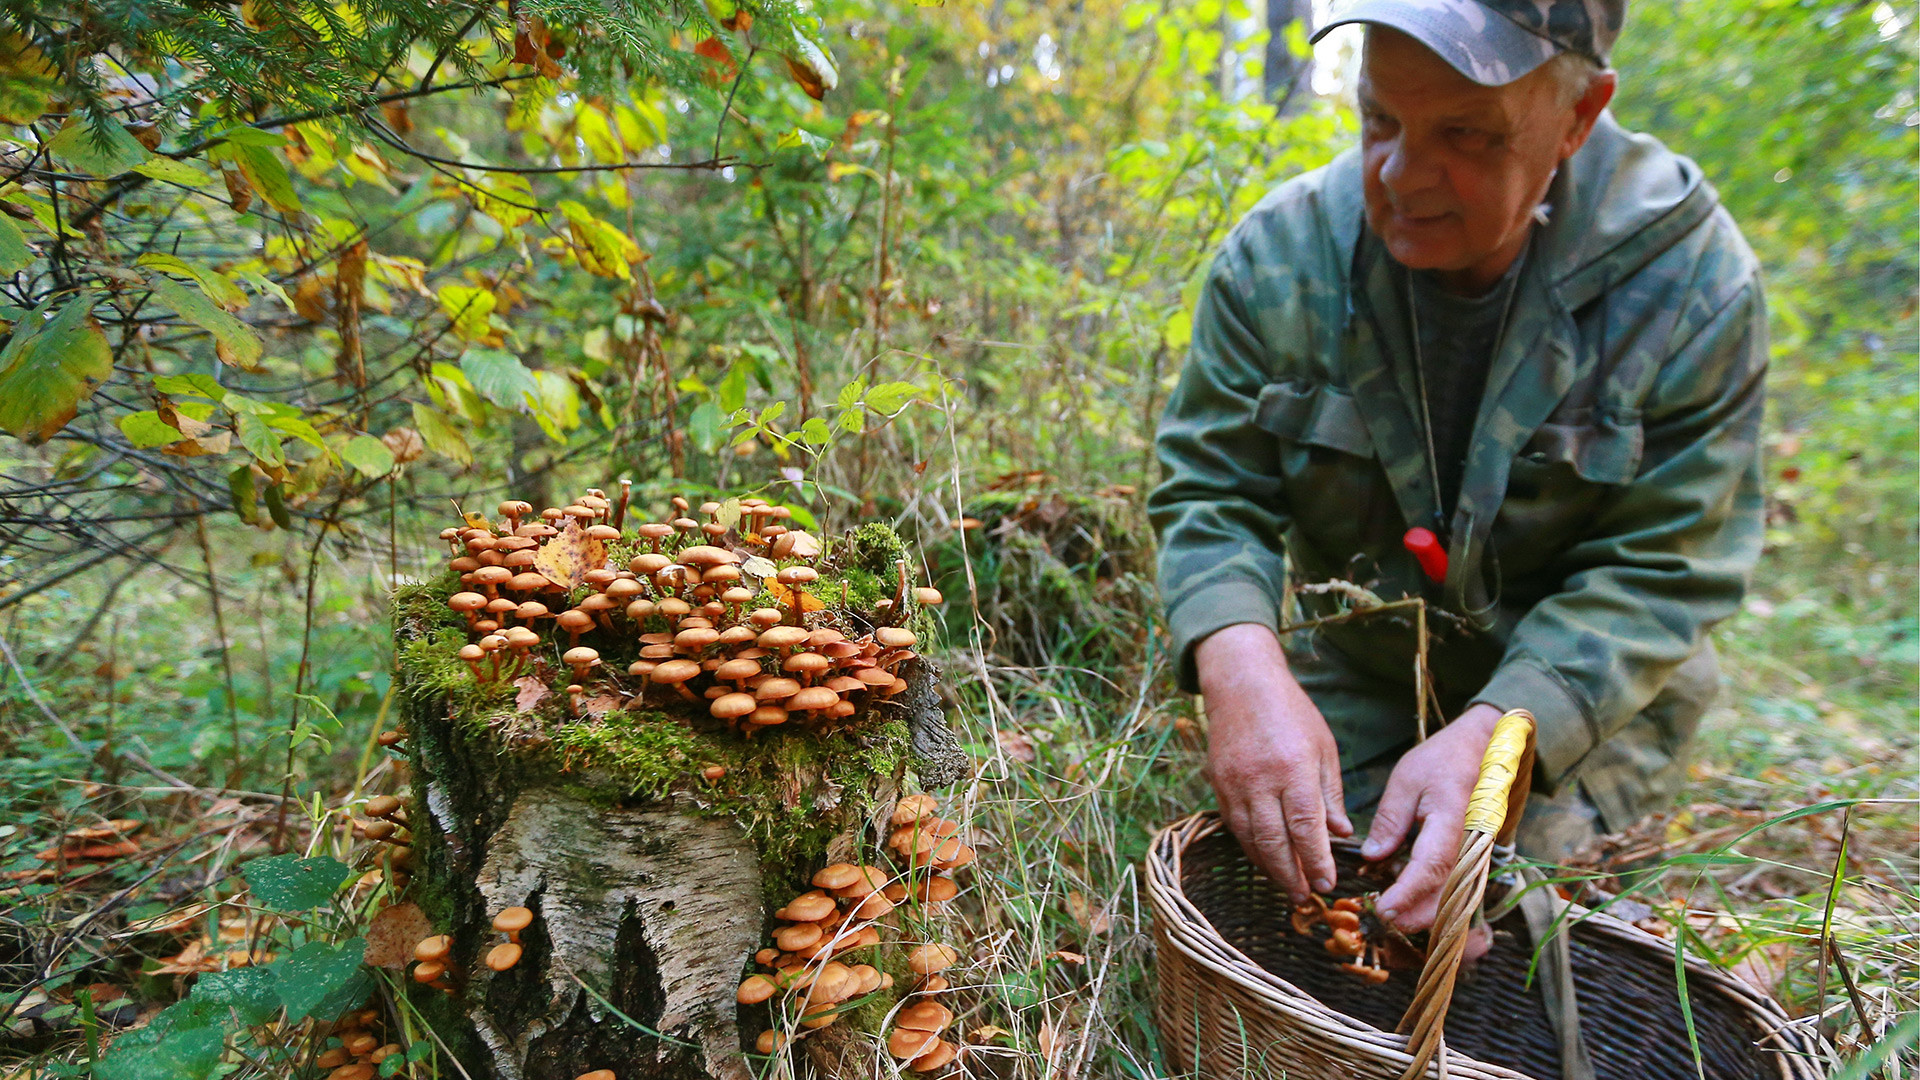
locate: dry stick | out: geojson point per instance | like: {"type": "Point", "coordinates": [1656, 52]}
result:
{"type": "Point", "coordinates": [1853, 990]}
{"type": "Point", "coordinates": [220, 628]}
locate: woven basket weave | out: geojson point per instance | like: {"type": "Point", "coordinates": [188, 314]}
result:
{"type": "Point", "coordinates": [1241, 995]}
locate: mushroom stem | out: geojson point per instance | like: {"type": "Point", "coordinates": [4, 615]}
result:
{"type": "Point", "coordinates": [620, 510]}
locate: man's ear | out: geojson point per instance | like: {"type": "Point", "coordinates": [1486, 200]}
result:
{"type": "Point", "coordinates": [1586, 112]}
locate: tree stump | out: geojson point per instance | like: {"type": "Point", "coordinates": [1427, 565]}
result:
{"type": "Point", "coordinates": [649, 839]}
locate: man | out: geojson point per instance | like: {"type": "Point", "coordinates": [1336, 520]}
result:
{"type": "Point", "coordinates": [1508, 322]}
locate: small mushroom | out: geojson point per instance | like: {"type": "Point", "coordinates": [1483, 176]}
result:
{"type": "Point", "coordinates": [472, 655]}
{"type": "Point", "coordinates": [575, 622]}
{"type": "Point", "coordinates": [912, 808]}
{"type": "Point", "coordinates": [383, 806]}
{"type": "Point", "coordinates": [810, 907]}
{"type": "Point", "coordinates": [928, 1016]}
{"type": "Point", "coordinates": [770, 1041]}
{"type": "Point", "coordinates": [597, 1074]}
{"type": "Point", "coordinates": [836, 876]}
{"type": "Point", "coordinates": [756, 989]}
{"type": "Point", "coordinates": [582, 660]}
{"type": "Point", "coordinates": [800, 935]}
{"type": "Point", "coordinates": [469, 604]}
{"type": "Point", "coordinates": [939, 1057]}
{"type": "Point", "coordinates": [928, 596]}
{"type": "Point", "coordinates": [931, 957]}
{"type": "Point", "coordinates": [512, 920]}
{"type": "Point", "coordinates": [676, 673]}
{"type": "Point", "coordinates": [732, 706]}
{"type": "Point", "coordinates": [503, 956]}
{"type": "Point", "coordinates": [907, 1043]}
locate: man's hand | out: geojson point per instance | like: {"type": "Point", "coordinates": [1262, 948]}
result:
{"type": "Point", "coordinates": [1271, 759]}
{"type": "Point", "coordinates": [1431, 786]}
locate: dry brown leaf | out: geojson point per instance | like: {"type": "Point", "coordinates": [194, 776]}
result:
{"type": "Point", "coordinates": [187, 961]}
{"type": "Point", "coordinates": [532, 692]}
{"type": "Point", "coordinates": [392, 934]}
{"type": "Point", "coordinates": [986, 1033]}
{"type": "Point", "coordinates": [601, 704]}
{"type": "Point", "coordinates": [1067, 957]}
{"type": "Point", "coordinates": [1015, 744]}
{"type": "Point", "coordinates": [171, 922]}
{"type": "Point", "coordinates": [566, 557]}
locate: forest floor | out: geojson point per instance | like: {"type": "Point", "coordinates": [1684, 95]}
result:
{"type": "Point", "coordinates": [1800, 826]}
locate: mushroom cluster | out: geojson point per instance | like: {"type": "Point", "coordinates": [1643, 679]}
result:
{"type": "Point", "coordinates": [388, 825]}
{"type": "Point", "coordinates": [689, 601]}
{"type": "Point", "coordinates": [1345, 937]}
{"type": "Point", "coordinates": [360, 1052]}
{"type": "Point", "coordinates": [843, 912]}
{"type": "Point", "coordinates": [510, 921]}
{"type": "Point", "coordinates": [433, 954]}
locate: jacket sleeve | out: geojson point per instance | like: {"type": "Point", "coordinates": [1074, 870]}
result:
{"type": "Point", "coordinates": [1668, 555]}
{"type": "Point", "coordinates": [1220, 510]}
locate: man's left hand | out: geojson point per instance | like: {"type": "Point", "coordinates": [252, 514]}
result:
{"type": "Point", "coordinates": [1430, 786]}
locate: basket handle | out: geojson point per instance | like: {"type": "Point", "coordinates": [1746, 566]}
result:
{"type": "Point", "coordinates": [1493, 812]}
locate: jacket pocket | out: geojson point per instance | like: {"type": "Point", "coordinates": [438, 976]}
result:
{"type": "Point", "coordinates": [1601, 449]}
{"type": "Point", "coordinates": [1315, 414]}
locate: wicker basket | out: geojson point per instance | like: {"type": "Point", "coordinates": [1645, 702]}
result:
{"type": "Point", "coordinates": [1242, 995]}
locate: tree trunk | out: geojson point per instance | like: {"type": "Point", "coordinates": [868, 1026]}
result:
{"type": "Point", "coordinates": [650, 884]}
{"type": "Point", "coordinates": [1287, 76]}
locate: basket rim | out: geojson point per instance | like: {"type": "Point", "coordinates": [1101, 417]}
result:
{"type": "Point", "coordinates": [1784, 1040]}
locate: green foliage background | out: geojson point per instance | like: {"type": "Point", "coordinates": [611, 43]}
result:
{"type": "Point", "coordinates": [371, 262]}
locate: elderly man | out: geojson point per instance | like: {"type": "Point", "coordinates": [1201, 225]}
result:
{"type": "Point", "coordinates": [1506, 356]}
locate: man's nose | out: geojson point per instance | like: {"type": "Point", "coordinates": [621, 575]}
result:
{"type": "Point", "coordinates": [1405, 171]}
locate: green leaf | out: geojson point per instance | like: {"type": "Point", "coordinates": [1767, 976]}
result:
{"type": "Point", "coordinates": [601, 248]}
{"type": "Point", "coordinates": [27, 79]}
{"type": "Point", "coordinates": [240, 489]}
{"type": "Point", "coordinates": [732, 392]}
{"type": "Point", "coordinates": [309, 975]}
{"type": "Point", "coordinates": [891, 397]}
{"type": "Point", "coordinates": [172, 171]}
{"type": "Point", "coordinates": [291, 883]}
{"type": "Point", "coordinates": [804, 139]}
{"type": "Point", "coordinates": [250, 992]}
{"type": "Point", "coordinates": [248, 135]}
{"type": "Point", "coordinates": [204, 385]}
{"type": "Point", "coordinates": [851, 393]}
{"type": "Point", "coordinates": [369, 455]}
{"type": "Point", "coordinates": [815, 432]}
{"type": "Point", "coordinates": [504, 197]}
{"type": "Point", "coordinates": [438, 432]}
{"type": "Point", "coordinates": [15, 256]}
{"type": "Point", "coordinates": [145, 430]}
{"type": "Point", "coordinates": [108, 152]}
{"type": "Point", "coordinates": [298, 427]}
{"type": "Point", "coordinates": [853, 421]}
{"type": "Point", "coordinates": [189, 1054]}
{"type": "Point", "coordinates": [240, 346]}
{"type": "Point", "coordinates": [468, 307]}
{"type": "Point", "coordinates": [49, 367]}
{"type": "Point", "coordinates": [706, 426]}
{"type": "Point", "coordinates": [260, 440]}
{"type": "Point", "coordinates": [500, 377]}
{"type": "Point", "coordinates": [277, 506]}
{"type": "Point", "coordinates": [218, 286]}
{"type": "Point", "coordinates": [262, 168]}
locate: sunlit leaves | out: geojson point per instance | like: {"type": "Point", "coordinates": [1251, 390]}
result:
{"type": "Point", "coordinates": [145, 430]}
{"type": "Point", "coordinates": [811, 68]}
{"type": "Point", "coordinates": [469, 309]}
{"type": "Point", "coordinates": [218, 287]}
{"type": "Point", "coordinates": [250, 150]}
{"type": "Point", "coordinates": [49, 367]}
{"type": "Point", "coordinates": [507, 198]}
{"type": "Point", "coordinates": [172, 171]}
{"type": "Point", "coordinates": [601, 248]}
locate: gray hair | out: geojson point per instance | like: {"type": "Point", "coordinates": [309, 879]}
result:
{"type": "Point", "coordinates": [1572, 74]}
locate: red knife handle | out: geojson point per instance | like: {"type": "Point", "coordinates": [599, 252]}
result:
{"type": "Point", "coordinates": [1426, 550]}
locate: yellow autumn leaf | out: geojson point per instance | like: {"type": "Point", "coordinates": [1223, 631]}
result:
{"type": "Point", "coordinates": [566, 558]}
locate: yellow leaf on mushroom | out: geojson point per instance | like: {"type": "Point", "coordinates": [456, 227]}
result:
{"type": "Point", "coordinates": [808, 601]}
{"type": "Point", "coordinates": [566, 558]}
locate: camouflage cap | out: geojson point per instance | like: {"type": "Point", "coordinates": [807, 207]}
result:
{"type": "Point", "coordinates": [1494, 42]}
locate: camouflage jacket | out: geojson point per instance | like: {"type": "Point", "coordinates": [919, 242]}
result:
{"type": "Point", "coordinates": [1610, 511]}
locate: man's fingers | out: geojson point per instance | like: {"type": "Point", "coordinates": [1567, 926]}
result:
{"type": "Point", "coordinates": [1411, 902]}
{"type": "Point", "coordinates": [1272, 849]}
{"type": "Point", "coordinates": [1392, 818]}
{"type": "Point", "coordinates": [1335, 798]}
{"type": "Point", "coordinates": [1307, 828]}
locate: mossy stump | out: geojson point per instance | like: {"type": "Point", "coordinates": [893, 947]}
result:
{"type": "Point", "coordinates": [650, 842]}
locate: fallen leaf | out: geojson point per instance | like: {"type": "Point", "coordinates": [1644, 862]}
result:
{"type": "Point", "coordinates": [532, 692]}
{"type": "Point", "coordinates": [392, 934]}
{"type": "Point", "coordinates": [567, 556]}
{"type": "Point", "coordinates": [76, 853]}
{"type": "Point", "coordinates": [1067, 957]}
{"type": "Point", "coordinates": [171, 922]}
{"type": "Point", "coordinates": [986, 1033]}
{"type": "Point", "coordinates": [1015, 744]}
{"type": "Point", "coordinates": [187, 961]}
{"type": "Point", "coordinates": [601, 704]}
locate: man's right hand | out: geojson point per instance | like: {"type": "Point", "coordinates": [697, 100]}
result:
{"type": "Point", "coordinates": [1270, 758]}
